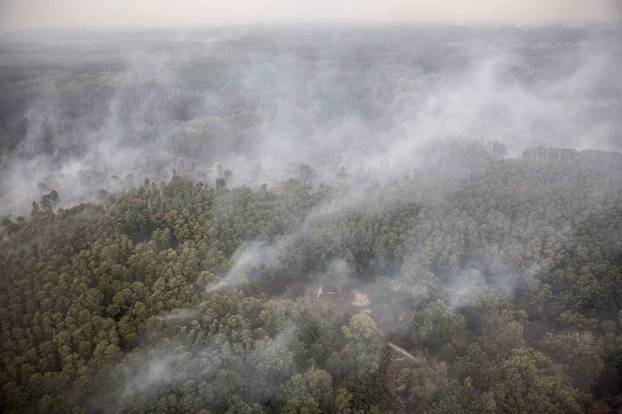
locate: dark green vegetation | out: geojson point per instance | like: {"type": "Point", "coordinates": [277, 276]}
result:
{"type": "Point", "coordinates": [506, 290]}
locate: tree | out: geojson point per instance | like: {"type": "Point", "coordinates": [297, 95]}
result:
{"type": "Point", "coordinates": [360, 328]}
{"type": "Point", "coordinates": [310, 392]}
{"type": "Point", "coordinates": [49, 201]}
{"type": "Point", "coordinates": [526, 383]}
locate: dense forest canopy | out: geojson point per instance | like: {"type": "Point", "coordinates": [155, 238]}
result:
{"type": "Point", "coordinates": [318, 220]}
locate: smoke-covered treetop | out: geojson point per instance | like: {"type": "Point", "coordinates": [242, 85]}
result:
{"type": "Point", "coordinates": [311, 220]}
{"type": "Point", "coordinates": [89, 111]}
{"type": "Point", "coordinates": [499, 294]}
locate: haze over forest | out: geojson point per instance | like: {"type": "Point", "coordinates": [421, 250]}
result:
{"type": "Point", "coordinates": [286, 207]}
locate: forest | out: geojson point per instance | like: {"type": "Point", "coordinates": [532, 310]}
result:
{"type": "Point", "coordinates": [312, 221]}
{"type": "Point", "coordinates": [501, 296]}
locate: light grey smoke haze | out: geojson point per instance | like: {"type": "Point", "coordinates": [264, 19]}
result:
{"type": "Point", "coordinates": [365, 107]}
{"type": "Point", "coordinates": [166, 367]}
{"type": "Point", "coordinates": [260, 102]}
{"type": "Point", "coordinates": [38, 14]}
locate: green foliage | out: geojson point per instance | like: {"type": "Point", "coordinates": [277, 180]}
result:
{"type": "Point", "coordinates": [504, 294]}
{"type": "Point", "coordinates": [526, 383]}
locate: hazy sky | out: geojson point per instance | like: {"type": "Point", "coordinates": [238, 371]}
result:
{"type": "Point", "coordinates": [37, 14]}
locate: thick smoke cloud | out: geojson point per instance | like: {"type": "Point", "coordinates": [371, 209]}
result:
{"type": "Point", "coordinates": [260, 102]}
